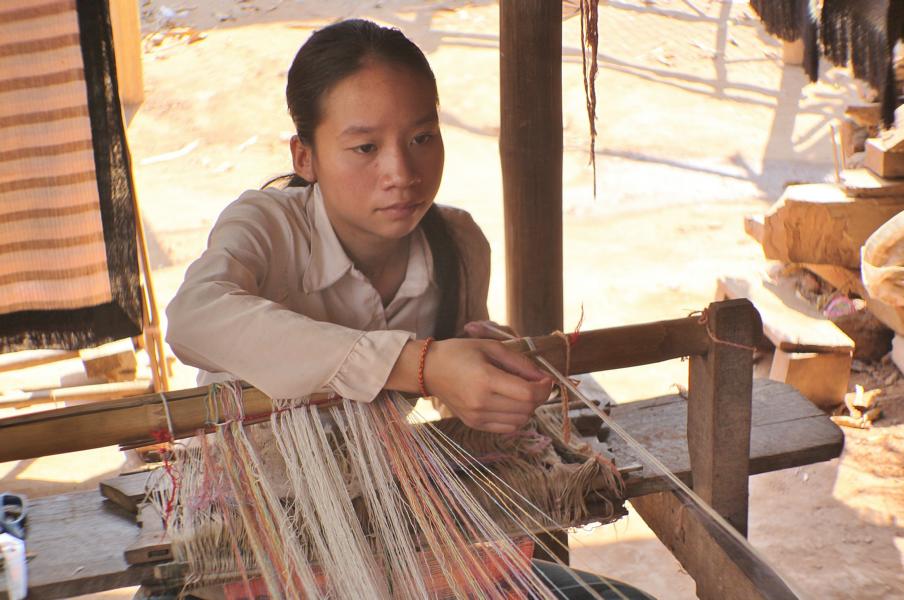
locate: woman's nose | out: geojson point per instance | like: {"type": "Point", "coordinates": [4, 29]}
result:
{"type": "Point", "coordinates": [399, 170]}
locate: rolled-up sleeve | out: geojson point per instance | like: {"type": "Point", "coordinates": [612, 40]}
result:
{"type": "Point", "coordinates": [218, 322]}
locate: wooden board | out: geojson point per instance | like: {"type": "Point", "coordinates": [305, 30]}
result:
{"type": "Point", "coordinates": [820, 223]}
{"type": "Point", "coordinates": [787, 431]}
{"type": "Point", "coordinates": [882, 161]}
{"type": "Point", "coordinates": [822, 377]}
{"type": "Point", "coordinates": [863, 183]}
{"type": "Point", "coordinates": [78, 541]}
{"type": "Point", "coordinates": [789, 321]}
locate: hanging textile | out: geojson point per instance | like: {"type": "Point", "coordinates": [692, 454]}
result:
{"type": "Point", "coordinates": [792, 20]}
{"type": "Point", "coordinates": [859, 33]}
{"type": "Point", "coordinates": [68, 258]}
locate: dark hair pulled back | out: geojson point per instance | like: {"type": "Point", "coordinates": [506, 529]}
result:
{"type": "Point", "coordinates": [338, 51]}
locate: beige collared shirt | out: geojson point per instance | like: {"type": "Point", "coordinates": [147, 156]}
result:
{"type": "Point", "coordinates": [275, 301]}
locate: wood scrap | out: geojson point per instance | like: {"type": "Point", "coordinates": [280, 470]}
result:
{"type": "Point", "coordinates": [863, 183]}
{"type": "Point", "coordinates": [820, 223]}
{"type": "Point", "coordinates": [791, 323]}
{"type": "Point", "coordinates": [859, 410]}
{"type": "Point", "coordinates": [865, 115]}
{"type": "Point", "coordinates": [821, 377]}
{"type": "Point", "coordinates": [112, 362]}
{"type": "Point", "coordinates": [883, 161]}
{"type": "Point", "coordinates": [848, 281]}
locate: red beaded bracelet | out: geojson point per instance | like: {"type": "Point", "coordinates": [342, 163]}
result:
{"type": "Point", "coordinates": [420, 367]}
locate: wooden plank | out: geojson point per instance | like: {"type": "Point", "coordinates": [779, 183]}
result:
{"type": "Point", "coordinates": [126, 24]}
{"type": "Point", "coordinates": [720, 566]}
{"type": "Point", "coordinates": [821, 377]}
{"type": "Point", "coordinates": [113, 362]}
{"type": "Point", "coordinates": [152, 545]}
{"type": "Point", "coordinates": [530, 148]}
{"type": "Point", "coordinates": [77, 541]}
{"type": "Point", "coordinates": [820, 223]}
{"type": "Point", "coordinates": [883, 161]}
{"type": "Point", "coordinates": [863, 183]}
{"type": "Point", "coordinates": [126, 491]}
{"type": "Point", "coordinates": [720, 392]}
{"type": "Point", "coordinates": [790, 322]}
{"type": "Point", "coordinates": [131, 421]}
{"type": "Point", "coordinates": [99, 392]}
{"type": "Point", "coordinates": [25, 359]}
{"type": "Point", "coordinates": [786, 431]}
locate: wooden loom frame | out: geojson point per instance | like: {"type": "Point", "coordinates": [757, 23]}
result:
{"type": "Point", "coordinates": [719, 411]}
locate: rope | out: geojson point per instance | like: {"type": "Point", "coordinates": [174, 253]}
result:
{"type": "Point", "coordinates": [704, 320]}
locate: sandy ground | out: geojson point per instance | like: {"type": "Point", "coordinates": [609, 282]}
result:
{"type": "Point", "coordinates": [699, 124]}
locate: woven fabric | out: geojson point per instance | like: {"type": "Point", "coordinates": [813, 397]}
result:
{"type": "Point", "coordinates": [68, 262]}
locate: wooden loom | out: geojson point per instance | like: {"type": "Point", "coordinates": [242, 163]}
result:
{"type": "Point", "coordinates": [729, 427]}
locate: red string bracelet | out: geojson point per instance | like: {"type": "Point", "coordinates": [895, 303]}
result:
{"type": "Point", "coordinates": [422, 359]}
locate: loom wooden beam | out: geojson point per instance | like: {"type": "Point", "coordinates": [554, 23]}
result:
{"type": "Point", "coordinates": [530, 147]}
{"type": "Point", "coordinates": [720, 396]}
{"type": "Point", "coordinates": [132, 421]}
{"type": "Point", "coordinates": [719, 565]}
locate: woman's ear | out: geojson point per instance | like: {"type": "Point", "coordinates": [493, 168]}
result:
{"type": "Point", "coordinates": [303, 159]}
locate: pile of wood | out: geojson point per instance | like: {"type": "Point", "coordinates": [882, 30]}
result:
{"type": "Point", "coordinates": [816, 310]}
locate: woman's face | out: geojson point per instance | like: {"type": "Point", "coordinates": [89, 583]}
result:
{"type": "Point", "coordinates": [377, 154]}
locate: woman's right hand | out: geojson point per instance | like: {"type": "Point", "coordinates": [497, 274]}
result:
{"type": "Point", "coordinates": [486, 385]}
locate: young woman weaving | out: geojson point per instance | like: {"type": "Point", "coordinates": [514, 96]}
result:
{"type": "Point", "coordinates": [340, 281]}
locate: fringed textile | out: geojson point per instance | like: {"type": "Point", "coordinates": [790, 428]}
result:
{"type": "Point", "coordinates": [68, 258]}
{"type": "Point", "coordinates": [370, 505]}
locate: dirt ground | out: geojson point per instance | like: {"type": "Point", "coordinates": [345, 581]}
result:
{"type": "Point", "coordinates": [700, 123]}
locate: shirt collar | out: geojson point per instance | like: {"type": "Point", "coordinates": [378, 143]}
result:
{"type": "Point", "coordinates": [329, 262]}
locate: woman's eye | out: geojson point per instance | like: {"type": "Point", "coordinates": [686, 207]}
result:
{"type": "Point", "coordinates": [365, 148]}
{"type": "Point", "coordinates": [422, 138]}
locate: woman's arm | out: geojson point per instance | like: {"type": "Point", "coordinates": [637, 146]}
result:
{"type": "Point", "coordinates": [219, 322]}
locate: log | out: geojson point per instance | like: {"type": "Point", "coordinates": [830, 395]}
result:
{"type": "Point", "coordinates": [530, 146]}
{"type": "Point", "coordinates": [820, 223]}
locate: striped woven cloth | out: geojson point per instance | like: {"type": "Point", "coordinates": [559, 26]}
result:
{"type": "Point", "coordinates": [68, 263]}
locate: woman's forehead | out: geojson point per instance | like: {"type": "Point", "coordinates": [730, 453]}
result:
{"type": "Point", "coordinates": [378, 95]}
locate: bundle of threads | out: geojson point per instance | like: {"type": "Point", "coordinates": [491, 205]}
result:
{"type": "Point", "coordinates": [359, 501]}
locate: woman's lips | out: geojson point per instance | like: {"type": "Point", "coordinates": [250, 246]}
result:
{"type": "Point", "coordinates": [401, 210]}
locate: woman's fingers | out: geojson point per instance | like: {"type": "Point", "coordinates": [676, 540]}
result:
{"type": "Point", "coordinates": [515, 363]}
{"type": "Point", "coordinates": [488, 330]}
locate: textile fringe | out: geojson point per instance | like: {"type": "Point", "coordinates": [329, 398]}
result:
{"type": "Point", "coordinates": [361, 503]}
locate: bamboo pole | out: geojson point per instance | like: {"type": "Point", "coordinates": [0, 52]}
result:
{"type": "Point", "coordinates": [133, 421]}
{"type": "Point", "coordinates": [530, 147]}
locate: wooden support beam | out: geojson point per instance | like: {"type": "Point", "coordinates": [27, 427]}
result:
{"type": "Point", "coordinates": [131, 421]}
{"type": "Point", "coordinates": [720, 392]}
{"type": "Point", "coordinates": [720, 566]}
{"type": "Point", "coordinates": [530, 146]}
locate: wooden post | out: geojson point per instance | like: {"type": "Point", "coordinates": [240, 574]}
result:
{"type": "Point", "coordinates": [720, 393]}
{"type": "Point", "coordinates": [530, 145]}
{"type": "Point", "coordinates": [126, 23]}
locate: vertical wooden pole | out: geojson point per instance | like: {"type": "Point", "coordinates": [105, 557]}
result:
{"type": "Point", "coordinates": [530, 145]}
{"type": "Point", "coordinates": [126, 23]}
{"type": "Point", "coordinates": [720, 393]}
